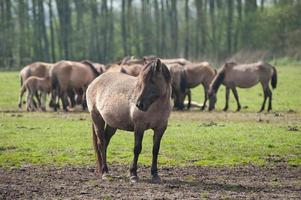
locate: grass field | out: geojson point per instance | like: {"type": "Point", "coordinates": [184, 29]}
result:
{"type": "Point", "coordinates": [192, 137]}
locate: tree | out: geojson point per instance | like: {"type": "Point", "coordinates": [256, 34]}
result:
{"type": "Point", "coordinates": [186, 50]}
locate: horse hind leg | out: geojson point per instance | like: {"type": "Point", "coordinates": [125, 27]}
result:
{"type": "Point", "coordinates": [99, 142]}
{"type": "Point", "coordinates": [269, 94]}
{"type": "Point", "coordinates": [96, 149]}
{"type": "Point", "coordinates": [265, 89]}
{"type": "Point", "coordinates": [236, 98]}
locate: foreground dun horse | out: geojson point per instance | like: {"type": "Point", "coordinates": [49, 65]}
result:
{"type": "Point", "coordinates": [233, 75]}
{"type": "Point", "coordinates": [119, 101]}
{"type": "Point", "coordinates": [34, 84]}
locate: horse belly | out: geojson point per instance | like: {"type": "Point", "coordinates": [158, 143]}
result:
{"type": "Point", "coordinates": [116, 113]}
{"type": "Point", "coordinates": [246, 81]}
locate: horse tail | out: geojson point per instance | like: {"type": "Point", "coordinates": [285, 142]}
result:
{"type": "Point", "coordinates": [21, 81]}
{"type": "Point", "coordinates": [274, 78]}
{"type": "Point", "coordinates": [218, 80]}
{"type": "Point", "coordinates": [183, 80]}
{"type": "Point", "coordinates": [92, 67]}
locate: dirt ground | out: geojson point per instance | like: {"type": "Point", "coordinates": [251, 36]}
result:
{"type": "Point", "coordinates": [243, 182]}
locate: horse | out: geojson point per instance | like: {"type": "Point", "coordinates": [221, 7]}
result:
{"type": "Point", "coordinates": [70, 75]}
{"type": "Point", "coordinates": [178, 83]}
{"type": "Point", "coordinates": [196, 74]}
{"type": "Point", "coordinates": [38, 69]}
{"type": "Point", "coordinates": [119, 101]}
{"type": "Point", "coordinates": [34, 84]}
{"type": "Point", "coordinates": [100, 68]}
{"type": "Point", "coordinates": [181, 61]}
{"type": "Point", "coordinates": [233, 75]}
{"type": "Point", "coordinates": [133, 69]}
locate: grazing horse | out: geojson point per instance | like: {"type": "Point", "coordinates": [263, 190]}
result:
{"type": "Point", "coordinates": [119, 101]}
{"type": "Point", "coordinates": [233, 75]}
{"type": "Point", "coordinates": [34, 84]}
{"type": "Point", "coordinates": [70, 75]}
{"type": "Point", "coordinates": [196, 74]}
{"type": "Point", "coordinates": [38, 69]}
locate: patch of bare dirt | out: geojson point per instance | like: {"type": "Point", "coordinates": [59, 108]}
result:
{"type": "Point", "coordinates": [243, 182]}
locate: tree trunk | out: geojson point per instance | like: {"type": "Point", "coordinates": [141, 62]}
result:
{"type": "Point", "coordinates": [229, 26]}
{"type": "Point", "coordinates": [123, 30]}
{"type": "Point", "coordinates": [213, 28]}
{"type": "Point", "coordinates": [64, 13]}
{"type": "Point", "coordinates": [163, 31]}
{"type": "Point", "coordinates": [44, 38]}
{"type": "Point", "coordinates": [186, 42]}
{"type": "Point", "coordinates": [52, 40]}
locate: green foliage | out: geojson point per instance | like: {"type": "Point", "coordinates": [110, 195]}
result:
{"type": "Point", "coordinates": [79, 30]}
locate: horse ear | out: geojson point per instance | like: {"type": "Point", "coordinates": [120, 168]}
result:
{"type": "Point", "coordinates": [158, 65]}
{"type": "Point", "coordinates": [166, 73]}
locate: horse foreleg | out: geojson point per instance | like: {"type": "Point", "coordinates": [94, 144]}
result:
{"type": "Point", "coordinates": [236, 98]}
{"type": "Point", "coordinates": [189, 98]}
{"type": "Point", "coordinates": [137, 150]}
{"type": "Point", "coordinates": [206, 97]}
{"type": "Point", "coordinates": [43, 102]}
{"type": "Point", "coordinates": [227, 99]}
{"type": "Point", "coordinates": [156, 147]}
{"type": "Point", "coordinates": [29, 103]}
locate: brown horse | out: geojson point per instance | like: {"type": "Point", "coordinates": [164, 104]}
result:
{"type": "Point", "coordinates": [100, 68]}
{"type": "Point", "coordinates": [70, 75]}
{"type": "Point", "coordinates": [133, 69]}
{"type": "Point", "coordinates": [233, 75]}
{"type": "Point", "coordinates": [193, 75]}
{"type": "Point", "coordinates": [119, 101]}
{"type": "Point", "coordinates": [38, 69]}
{"type": "Point", "coordinates": [34, 84]}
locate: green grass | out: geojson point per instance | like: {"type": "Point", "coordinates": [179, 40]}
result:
{"type": "Point", "coordinates": [192, 137]}
{"type": "Point", "coordinates": [61, 139]}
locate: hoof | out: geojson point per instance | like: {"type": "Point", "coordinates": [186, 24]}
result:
{"type": "Point", "coordinates": [106, 176]}
{"type": "Point", "coordinates": [156, 179]}
{"type": "Point", "coordinates": [134, 179]}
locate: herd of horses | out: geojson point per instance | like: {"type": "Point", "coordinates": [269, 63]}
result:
{"type": "Point", "coordinates": [68, 80]}
{"type": "Point", "coordinates": [135, 94]}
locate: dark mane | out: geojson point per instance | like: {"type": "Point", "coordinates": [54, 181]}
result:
{"type": "Point", "coordinates": [150, 68]}
{"type": "Point", "coordinates": [92, 67]}
{"type": "Point", "coordinates": [218, 80]}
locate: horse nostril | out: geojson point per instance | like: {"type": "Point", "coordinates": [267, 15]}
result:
{"type": "Point", "coordinates": [139, 104]}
